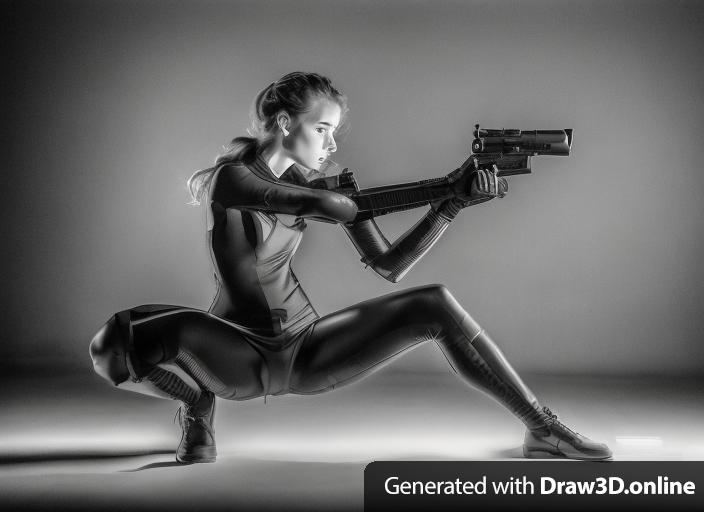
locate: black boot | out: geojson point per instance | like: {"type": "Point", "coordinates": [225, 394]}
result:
{"type": "Point", "coordinates": [198, 433]}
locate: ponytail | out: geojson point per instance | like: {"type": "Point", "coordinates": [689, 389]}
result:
{"type": "Point", "coordinates": [241, 149]}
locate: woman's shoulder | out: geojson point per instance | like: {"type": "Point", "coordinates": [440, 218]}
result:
{"type": "Point", "coordinates": [235, 178]}
{"type": "Point", "coordinates": [227, 173]}
{"type": "Point", "coordinates": [230, 163]}
{"type": "Point", "coordinates": [239, 168]}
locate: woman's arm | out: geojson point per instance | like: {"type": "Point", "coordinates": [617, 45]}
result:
{"type": "Point", "coordinates": [464, 186]}
{"type": "Point", "coordinates": [458, 190]}
{"type": "Point", "coordinates": [237, 186]}
{"type": "Point", "coordinates": [373, 202]}
{"type": "Point", "coordinates": [393, 261]}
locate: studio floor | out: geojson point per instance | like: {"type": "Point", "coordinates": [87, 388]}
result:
{"type": "Point", "coordinates": [73, 442]}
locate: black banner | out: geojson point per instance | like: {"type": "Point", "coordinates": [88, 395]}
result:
{"type": "Point", "coordinates": [534, 485]}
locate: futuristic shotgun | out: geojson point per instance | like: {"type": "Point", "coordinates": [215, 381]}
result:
{"type": "Point", "coordinates": [509, 150]}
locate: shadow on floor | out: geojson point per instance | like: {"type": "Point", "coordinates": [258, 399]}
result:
{"type": "Point", "coordinates": [73, 455]}
{"type": "Point", "coordinates": [156, 465]}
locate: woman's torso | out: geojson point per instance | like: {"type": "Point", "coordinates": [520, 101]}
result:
{"type": "Point", "coordinates": [252, 251]}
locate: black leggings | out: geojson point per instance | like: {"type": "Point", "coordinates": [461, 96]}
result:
{"type": "Point", "coordinates": [335, 350]}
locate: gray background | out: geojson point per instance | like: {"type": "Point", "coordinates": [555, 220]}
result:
{"type": "Point", "coordinates": [590, 265]}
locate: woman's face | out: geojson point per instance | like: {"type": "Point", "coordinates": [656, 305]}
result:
{"type": "Point", "coordinates": [311, 138]}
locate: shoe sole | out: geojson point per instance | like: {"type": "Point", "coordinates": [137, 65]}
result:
{"type": "Point", "coordinates": [203, 455]}
{"type": "Point", "coordinates": [535, 448]}
{"type": "Point", "coordinates": [556, 454]}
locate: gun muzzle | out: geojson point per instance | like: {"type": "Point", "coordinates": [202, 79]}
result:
{"type": "Point", "coordinates": [533, 142]}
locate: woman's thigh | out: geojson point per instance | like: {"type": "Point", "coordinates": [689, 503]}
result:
{"type": "Point", "coordinates": [214, 352]}
{"type": "Point", "coordinates": [348, 344]}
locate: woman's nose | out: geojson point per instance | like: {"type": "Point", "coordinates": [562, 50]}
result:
{"type": "Point", "coordinates": [332, 145]}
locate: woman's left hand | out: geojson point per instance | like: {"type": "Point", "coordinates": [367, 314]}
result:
{"type": "Point", "coordinates": [477, 186]}
{"type": "Point", "coordinates": [487, 185]}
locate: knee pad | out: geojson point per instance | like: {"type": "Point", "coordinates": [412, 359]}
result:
{"type": "Point", "coordinates": [108, 350]}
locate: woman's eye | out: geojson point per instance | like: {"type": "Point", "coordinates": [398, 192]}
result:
{"type": "Point", "coordinates": [320, 130]}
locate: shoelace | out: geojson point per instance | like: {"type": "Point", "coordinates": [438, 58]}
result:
{"type": "Point", "coordinates": [553, 420]}
{"type": "Point", "coordinates": [178, 416]}
{"type": "Point", "coordinates": [185, 416]}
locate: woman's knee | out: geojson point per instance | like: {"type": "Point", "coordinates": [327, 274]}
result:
{"type": "Point", "coordinates": [108, 352]}
{"type": "Point", "coordinates": [440, 292]}
{"type": "Point", "coordinates": [431, 297]}
{"type": "Point", "coordinates": [438, 301]}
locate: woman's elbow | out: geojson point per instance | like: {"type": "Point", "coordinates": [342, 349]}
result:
{"type": "Point", "coordinates": [335, 207]}
{"type": "Point", "coordinates": [393, 278]}
{"type": "Point", "coordinates": [390, 274]}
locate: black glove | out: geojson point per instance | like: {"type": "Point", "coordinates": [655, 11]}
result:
{"type": "Point", "coordinates": [477, 186]}
{"type": "Point", "coordinates": [471, 187]}
{"type": "Point", "coordinates": [487, 185]}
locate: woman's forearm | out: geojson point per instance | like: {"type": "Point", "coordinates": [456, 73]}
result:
{"type": "Point", "coordinates": [410, 247]}
{"type": "Point", "coordinates": [377, 201]}
{"type": "Point", "coordinates": [393, 261]}
{"type": "Point", "coordinates": [373, 202]}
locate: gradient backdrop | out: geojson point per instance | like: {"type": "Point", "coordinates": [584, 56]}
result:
{"type": "Point", "coordinates": [593, 264]}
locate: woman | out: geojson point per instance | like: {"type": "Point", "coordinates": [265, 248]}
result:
{"type": "Point", "coordinates": [261, 335]}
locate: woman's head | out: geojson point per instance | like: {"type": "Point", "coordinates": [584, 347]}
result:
{"type": "Point", "coordinates": [302, 111]}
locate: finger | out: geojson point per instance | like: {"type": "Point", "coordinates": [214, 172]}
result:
{"type": "Point", "coordinates": [489, 190]}
{"type": "Point", "coordinates": [480, 182]}
{"type": "Point", "coordinates": [487, 183]}
{"type": "Point", "coordinates": [503, 187]}
{"type": "Point", "coordinates": [492, 183]}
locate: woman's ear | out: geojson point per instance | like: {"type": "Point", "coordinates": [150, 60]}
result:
{"type": "Point", "coordinates": [284, 122]}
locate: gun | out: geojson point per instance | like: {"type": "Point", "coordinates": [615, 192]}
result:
{"type": "Point", "coordinates": [511, 150]}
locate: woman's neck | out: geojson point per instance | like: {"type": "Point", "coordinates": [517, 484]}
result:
{"type": "Point", "coordinates": [277, 160]}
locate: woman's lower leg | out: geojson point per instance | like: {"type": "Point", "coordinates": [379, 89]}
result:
{"type": "Point", "coordinates": [480, 362]}
{"type": "Point", "coordinates": [475, 357]}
